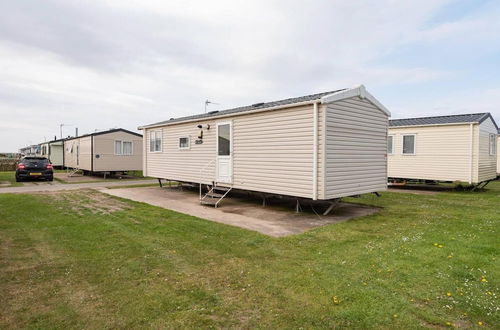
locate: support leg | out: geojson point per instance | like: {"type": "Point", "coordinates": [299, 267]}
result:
{"type": "Point", "coordinates": [330, 208]}
{"type": "Point", "coordinates": [298, 209]}
{"type": "Point", "coordinates": [264, 200]}
{"type": "Point", "coordinates": [159, 181]}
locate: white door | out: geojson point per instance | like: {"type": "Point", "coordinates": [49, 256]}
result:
{"type": "Point", "coordinates": [224, 152]}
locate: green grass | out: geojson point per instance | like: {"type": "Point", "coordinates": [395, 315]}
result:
{"type": "Point", "coordinates": [71, 261]}
{"type": "Point", "coordinates": [10, 177]}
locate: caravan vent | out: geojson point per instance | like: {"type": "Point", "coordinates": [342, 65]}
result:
{"type": "Point", "coordinates": [212, 112]}
{"type": "Point", "coordinates": [171, 118]}
{"type": "Point", "coordinates": [257, 105]}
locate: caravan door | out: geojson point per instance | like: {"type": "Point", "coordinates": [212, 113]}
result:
{"type": "Point", "coordinates": [224, 166]}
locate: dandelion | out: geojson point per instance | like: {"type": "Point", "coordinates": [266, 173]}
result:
{"type": "Point", "coordinates": [440, 246]}
{"type": "Point", "coordinates": [479, 323]}
{"type": "Point", "coordinates": [448, 294]}
{"type": "Point", "coordinates": [450, 256]}
{"type": "Point", "coordinates": [484, 280]}
{"type": "Point", "coordinates": [395, 316]}
{"type": "Point", "coordinates": [448, 324]}
{"type": "Point", "coordinates": [336, 300]}
{"type": "Point", "coordinates": [364, 283]}
{"type": "Point", "coordinates": [435, 244]}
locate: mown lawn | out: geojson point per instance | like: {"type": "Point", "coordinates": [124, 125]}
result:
{"type": "Point", "coordinates": [84, 260]}
{"type": "Point", "coordinates": [9, 177]}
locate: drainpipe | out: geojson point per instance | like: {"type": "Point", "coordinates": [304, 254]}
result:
{"type": "Point", "coordinates": [315, 152]}
{"type": "Point", "coordinates": [471, 156]}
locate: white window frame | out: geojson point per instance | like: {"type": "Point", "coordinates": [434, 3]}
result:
{"type": "Point", "coordinates": [492, 144]}
{"type": "Point", "coordinates": [131, 148]}
{"type": "Point", "coordinates": [414, 144]}
{"type": "Point", "coordinates": [121, 147]}
{"type": "Point", "coordinates": [154, 145]}
{"type": "Point", "coordinates": [392, 149]}
{"type": "Point", "coordinates": [179, 142]}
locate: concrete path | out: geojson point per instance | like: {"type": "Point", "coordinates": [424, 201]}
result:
{"type": "Point", "coordinates": [277, 219]}
{"type": "Point", "coordinates": [57, 186]}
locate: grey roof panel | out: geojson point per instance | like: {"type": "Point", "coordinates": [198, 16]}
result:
{"type": "Point", "coordinates": [256, 106]}
{"type": "Point", "coordinates": [449, 119]}
{"type": "Point", "coordinates": [103, 132]}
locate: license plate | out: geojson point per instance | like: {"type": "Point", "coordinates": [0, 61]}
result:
{"type": "Point", "coordinates": [34, 174]}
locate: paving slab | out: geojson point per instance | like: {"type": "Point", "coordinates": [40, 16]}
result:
{"type": "Point", "coordinates": [276, 219]}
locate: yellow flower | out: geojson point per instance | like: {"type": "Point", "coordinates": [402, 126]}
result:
{"type": "Point", "coordinates": [435, 244]}
{"type": "Point", "coordinates": [395, 316]}
{"type": "Point", "coordinates": [479, 323]}
{"type": "Point", "coordinates": [450, 256]}
{"type": "Point", "coordinates": [484, 279]}
{"type": "Point", "coordinates": [440, 246]}
{"type": "Point", "coordinates": [336, 300]}
{"type": "Point", "coordinates": [448, 324]}
{"type": "Point", "coordinates": [448, 294]}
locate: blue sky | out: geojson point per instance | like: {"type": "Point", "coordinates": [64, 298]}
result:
{"type": "Point", "coordinates": [123, 63]}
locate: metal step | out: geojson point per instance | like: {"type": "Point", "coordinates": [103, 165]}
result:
{"type": "Point", "coordinates": [208, 202]}
{"type": "Point", "coordinates": [214, 195]}
{"type": "Point", "coordinates": [221, 188]}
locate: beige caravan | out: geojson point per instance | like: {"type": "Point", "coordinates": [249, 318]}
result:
{"type": "Point", "coordinates": [498, 153]}
{"type": "Point", "coordinates": [322, 146]}
{"type": "Point", "coordinates": [443, 148]}
{"type": "Point", "coordinates": [53, 150]}
{"type": "Point", "coordinates": [116, 150]}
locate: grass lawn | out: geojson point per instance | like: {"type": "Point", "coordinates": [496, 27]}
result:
{"type": "Point", "coordinates": [10, 178]}
{"type": "Point", "coordinates": [85, 260]}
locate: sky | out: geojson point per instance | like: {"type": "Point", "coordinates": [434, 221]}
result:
{"type": "Point", "coordinates": [105, 64]}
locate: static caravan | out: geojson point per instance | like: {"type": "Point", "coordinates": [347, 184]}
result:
{"type": "Point", "coordinates": [54, 151]}
{"type": "Point", "coordinates": [116, 150]}
{"type": "Point", "coordinates": [498, 154]}
{"type": "Point", "coordinates": [322, 146]}
{"type": "Point", "coordinates": [31, 150]}
{"type": "Point", "coordinates": [443, 148]}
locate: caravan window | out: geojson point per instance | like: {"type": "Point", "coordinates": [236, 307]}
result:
{"type": "Point", "coordinates": [127, 148]}
{"type": "Point", "coordinates": [409, 144]}
{"type": "Point", "coordinates": [123, 148]}
{"type": "Point", "coordinates": [493, 144]}
{"type": "Point", "coordinates": [184, 143]}
{"type": "Point", "coordinates": [118, 147]}
{"type": "Point", "coordinates": [155, 141]}
{"type": "Point", "coordinates": [224, 140]}
{"type": "Point", "coordinates": [390, 144]}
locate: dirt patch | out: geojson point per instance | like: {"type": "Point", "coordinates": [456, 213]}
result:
{"type": "Point", "coordinates": [78, 178]}
{"type": "Point", "coordinates": [277, 218]}
{"type": "Point", "coordinates": [87, 200]}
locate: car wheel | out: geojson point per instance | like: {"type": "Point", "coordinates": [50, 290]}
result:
{"type": "Point", "coordinates": [18, 179]}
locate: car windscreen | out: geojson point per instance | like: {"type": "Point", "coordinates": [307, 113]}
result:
{"type": "Point", "coordinates": [35, 161]}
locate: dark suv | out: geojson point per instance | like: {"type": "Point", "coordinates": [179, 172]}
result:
{"type": "Point", "coordinates": [34, 168]}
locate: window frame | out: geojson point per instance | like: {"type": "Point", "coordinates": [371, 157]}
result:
{"type": "Point", "coordinates": [160, 132]}
{"type": "Point", "coordinates": [131, 148]}
{"type": "Point", "coordinates": [403, 144]}
{"type": "Point", "coordinates": [122, 142]}
{"type": "Point", "coordinates": [492, 144]}
{"type": "Point", "coordinates": [392, 144]}
{"type": "Point", "coordinates": [121, 147]}
{"type": "Point", "coordinates": [188, 137]}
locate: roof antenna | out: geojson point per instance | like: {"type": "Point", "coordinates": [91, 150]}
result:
{"type": "Point", "coordinates": [207, 102]}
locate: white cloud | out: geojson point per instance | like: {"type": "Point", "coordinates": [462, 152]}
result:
{"type": "Point", "coordinates": [127, 63]}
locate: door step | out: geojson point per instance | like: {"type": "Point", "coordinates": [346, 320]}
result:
{"type": "Point", "coordinates": [215, 195]}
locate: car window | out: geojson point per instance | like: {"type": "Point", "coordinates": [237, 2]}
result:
{"type": "Point", "coordinates": [35, 161]}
